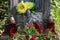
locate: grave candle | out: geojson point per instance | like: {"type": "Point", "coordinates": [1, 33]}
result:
{"type": "Point", "coordinates": [11, 27]}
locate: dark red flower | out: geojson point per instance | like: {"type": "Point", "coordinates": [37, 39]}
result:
{"type": "Point", "coordinates": [26, 35]}
{"type": "Point", "coordinates": [40, 30]}
{"type": "Point", "coordinates": [32, 39]}
{"type": "Point", "coordinates": [52, 30]}
{"type": "Point", "coordinates": [50, 25]}
{"type": "Point", "coordinates": [38, 27]}
{"type": "Point", "coordinates": [33, 35]}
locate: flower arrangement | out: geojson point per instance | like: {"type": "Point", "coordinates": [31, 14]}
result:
{"type": "Point", "coordinates": [32, 34]}
{"type": "Point", "coordinates": [22, 7]}
{"type": "Point", "coordinates": [32, 31]}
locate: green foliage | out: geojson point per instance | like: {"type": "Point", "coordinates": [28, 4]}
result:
{"type": "Point", "coordinates": [3, 12]}
{"type": "Point", "coordinates": [32, 10]}
{"type": "Point", "coordinates": [55, 12]}
{"type": "Point", "coordinates": [16, 36]}
{"type": "Point", "coordinates": [30, 31]}
{"type": "Point", "coordinates": [47, 35]}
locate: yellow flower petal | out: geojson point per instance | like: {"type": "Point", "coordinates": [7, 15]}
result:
{"type": "Point", "coordinates": [29, 5]}
{"type": "Point", "coordinates": [21, 7]}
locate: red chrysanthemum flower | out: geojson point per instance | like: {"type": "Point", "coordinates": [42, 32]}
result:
{"type": "Point", "coordinates": [26, 35]}
{"type": "Point", "coordinates": [33, 37]}
{"type": "Point", "coordinates": [52, 30]}
{"type": "Point", "coordinates": [40, 30]}
{"type": "Point", "coordinates": [38, 27]}
{"type": "Point", "coordinates": [50, 25]}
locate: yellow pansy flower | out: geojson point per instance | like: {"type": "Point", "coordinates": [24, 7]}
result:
{"type": "Point", "coordinates": [29, 5]}
{"type": "Point", "coordinates": [21, 7]}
